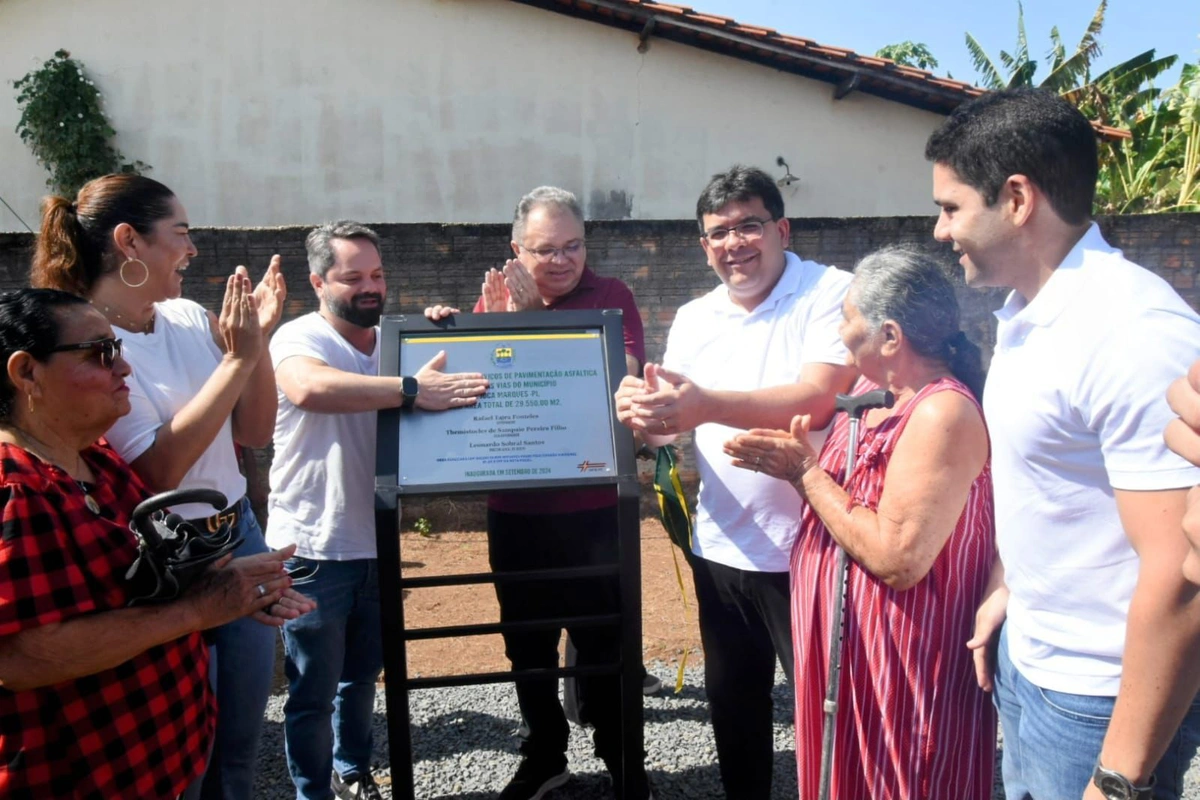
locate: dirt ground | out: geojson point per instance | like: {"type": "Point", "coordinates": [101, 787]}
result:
{"type": "Point", "coordinates": [668, 629]}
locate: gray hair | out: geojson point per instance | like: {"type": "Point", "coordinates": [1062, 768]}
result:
{"type": "Point", "coordinates": [543, 196]}
{"type": "Point", "coordinates": [320, 251]}
{"type": "Point", "coordinates": [910, 287]}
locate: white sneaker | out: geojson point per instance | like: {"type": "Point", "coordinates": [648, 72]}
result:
{"type": "Point", "coordinates": [362, 789]}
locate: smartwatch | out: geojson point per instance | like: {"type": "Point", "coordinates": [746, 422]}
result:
{"type": "Point", "coordinates": [1115, 786]}
{"type": "Point", "coordinates": [409, 386]}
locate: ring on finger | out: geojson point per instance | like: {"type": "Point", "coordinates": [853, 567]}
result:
{"type": "Point", "coordinates": [262, 590]}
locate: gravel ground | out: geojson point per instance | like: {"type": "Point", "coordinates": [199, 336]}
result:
{"type": "Point", "coordinates": [465, 746]}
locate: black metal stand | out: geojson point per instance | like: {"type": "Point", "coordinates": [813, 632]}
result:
{"type": "Point", "coordinates": [627, 569]}
{"type": "Point", "coordinates": [396, 636]}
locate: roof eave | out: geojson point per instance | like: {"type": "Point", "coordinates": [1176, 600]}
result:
{"type": "Point", "coordinates": [846, 70]}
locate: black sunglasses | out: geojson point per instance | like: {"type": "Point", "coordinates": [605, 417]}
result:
{"type": "Point", "coordinates": [108, 350]}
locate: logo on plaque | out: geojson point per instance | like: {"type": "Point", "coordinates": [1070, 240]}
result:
{"type": "Point", "coordinates": [592, 466]}
{"type": "Point", "coordinates": [502, 356]}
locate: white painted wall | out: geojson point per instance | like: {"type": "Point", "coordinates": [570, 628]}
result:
{"type": "Point", "coordinates": [271, 112]}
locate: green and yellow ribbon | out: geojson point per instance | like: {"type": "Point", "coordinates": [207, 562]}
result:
{"type": "Point", "coordinates": [676, 518]}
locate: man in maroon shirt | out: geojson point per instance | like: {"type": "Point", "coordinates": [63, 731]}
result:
{"type": "Point", "coordinates": [558, 527]}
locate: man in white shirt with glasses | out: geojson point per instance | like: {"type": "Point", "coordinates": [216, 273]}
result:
{"type": "Point", "coordinates": [772, 325]}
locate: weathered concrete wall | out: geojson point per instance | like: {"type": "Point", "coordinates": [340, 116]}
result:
{"type": "Point", "coordinates": [274, 112]}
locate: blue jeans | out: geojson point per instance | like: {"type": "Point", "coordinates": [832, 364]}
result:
{"type": "Point", "coordinates": [243, 658]}
{"type": "Point", "coordinates": [1052, 739]}
{"type": "Point", "coordinates": [333, 657]}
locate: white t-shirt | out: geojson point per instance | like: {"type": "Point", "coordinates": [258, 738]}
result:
{"type": "Point", "coordinates": [170, 365]}
{"type": "Point", "coordinates": [745, 519]}
{"type": "Point", "coordinates": [323, 474]}
{"type": "Point", "coordinates": [1076, 405]}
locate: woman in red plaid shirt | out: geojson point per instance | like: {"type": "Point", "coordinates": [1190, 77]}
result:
{"type": "Point", "coordinates": [96, 699]}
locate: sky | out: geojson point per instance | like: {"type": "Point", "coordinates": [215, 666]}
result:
{"type": "Point", "coordinates": [1130, 27]}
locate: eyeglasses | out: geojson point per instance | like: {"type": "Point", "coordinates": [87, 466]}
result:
{"type": "Point", "coordinates": [749, 230]}
{"type": "Point", "coordinates": [544, 254]}
{"type": "Point", "coordinates": [109, 350]}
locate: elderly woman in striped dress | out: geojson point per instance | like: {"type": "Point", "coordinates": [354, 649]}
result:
{"type": "Point", "coordinates": [916, 519]}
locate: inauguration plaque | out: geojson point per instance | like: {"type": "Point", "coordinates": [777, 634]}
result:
{"type": "Point", "coordinates": [547, 421]}
{"type": "Point", "coordinates": [547, 417]}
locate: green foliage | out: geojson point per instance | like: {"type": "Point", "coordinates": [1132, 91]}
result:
{"type": "Point", "coordinates": [423, 526]}
{"type": "Point", "coordinates": [909, 54]}
{"type": "Point", "coordinates": [1067, 71]}
{"type": "Point", "coordinates": [63, 124]}
{"type": "Point", "coordinates": [1158, 168]}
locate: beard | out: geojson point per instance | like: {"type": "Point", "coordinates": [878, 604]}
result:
{"type": "Point", "coordinates": [354, 312]}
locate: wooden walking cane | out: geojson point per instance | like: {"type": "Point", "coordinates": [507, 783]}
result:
{"type": "Point", "coordinates": [855, 406]}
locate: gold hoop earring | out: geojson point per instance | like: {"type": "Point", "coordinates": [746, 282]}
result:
{"type": "Point", "coordinates": [124, 280]}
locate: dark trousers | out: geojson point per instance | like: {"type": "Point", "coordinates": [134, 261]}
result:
{"type": "Point", "coordinates": [745, 621]}
{"type": "Point", "coordinates": [542, 541]}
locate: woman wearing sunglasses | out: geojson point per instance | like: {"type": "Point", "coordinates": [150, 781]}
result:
{"type": "Point", "coordinates": [98, 700]}
{"type": "Point", "coordinates": [200, 383]}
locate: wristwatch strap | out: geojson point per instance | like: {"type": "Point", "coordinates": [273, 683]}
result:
{"type": "Point", "coordinates": [1115, 786]}
{"type": "Point", "coordinates": [408, 392]}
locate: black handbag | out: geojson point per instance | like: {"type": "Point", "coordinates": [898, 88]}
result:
{"type": "Point", "coordinates": [173, 552]}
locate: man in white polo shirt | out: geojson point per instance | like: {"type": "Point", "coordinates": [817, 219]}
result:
{"type": "Point", "coordinates": [1095, 674]}
{"type": "Point", "coordinates": [773, 322]}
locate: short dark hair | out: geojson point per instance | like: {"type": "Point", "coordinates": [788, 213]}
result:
{"type": "Point", "coordinates": [74, 245]}
{"type": "Point", "coordinates": [320, 252]}
{"type": "Point", "coordinates": [739, 184]}
{"type": "Point", "coordinates": [1030, 132]}
{"type": "Point", "coordinates": [29, 322]}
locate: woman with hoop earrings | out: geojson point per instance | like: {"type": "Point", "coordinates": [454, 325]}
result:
{"type": "Point", "coordinates": [200, 383]}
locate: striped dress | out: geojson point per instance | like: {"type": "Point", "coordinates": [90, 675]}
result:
{"type": "Point", "coordinates": [912, 723]}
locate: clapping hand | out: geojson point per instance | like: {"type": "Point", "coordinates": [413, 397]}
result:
{"type": "Point", "coordinates": [269, 295]}
{"type": "Point", "coordinates": [631, 386]}
{"type": "Point", "coordinates": [523, 294]}
{"type": "Point", "coordinates": [510, 289]}
{"type": "Point", "coordinates": [238, 323]}
{"type": "Point", "coordinates": [240, 587]}
{"type": "Point", "coordinates": [667, 403]}
{"type": "Point", "coordinates": [785, 455]}
{"type": "Point", "coordinates": [495, 295]}
{"type": "Point", "coordinates": [290, 605]}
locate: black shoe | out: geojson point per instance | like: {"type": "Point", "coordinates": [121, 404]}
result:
{"type": "Point", "coordinates": [535, 777]}
{"type": "Point", "coordinates": [364, 788]}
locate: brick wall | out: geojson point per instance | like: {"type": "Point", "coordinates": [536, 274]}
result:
{"type": "Point", "coordinates": [660, 260]}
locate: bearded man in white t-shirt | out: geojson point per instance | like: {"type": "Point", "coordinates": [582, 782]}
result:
{"type": "Point", "coordinates": [1095, 674]}
{"type": "Point", "coordinates": [322, 500]}
{"type": "Point", "coordinates": [772, 325]}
